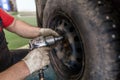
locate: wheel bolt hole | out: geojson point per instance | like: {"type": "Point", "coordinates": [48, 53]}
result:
{"type": "Point", "coordinates": [79, 50]}
{"type": "Point", "coordinates": [59, 22]}
{"type": "Point", "coordinates": [76, 38]}
{"type": "Point", "coordinates": [79, 59]}
{"type": "Point", "coordinates": [74, 66]}
{"type": "Point", "coordinates": [65, 24]}
{"type": "Point", "coordinates": [71, 29]}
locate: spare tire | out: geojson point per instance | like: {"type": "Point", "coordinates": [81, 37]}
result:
{"type": "Point", "coordinates": [91, 48]}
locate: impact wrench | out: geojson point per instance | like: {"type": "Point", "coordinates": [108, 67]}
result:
{"type": "Point", "coordinates": [43, 42]}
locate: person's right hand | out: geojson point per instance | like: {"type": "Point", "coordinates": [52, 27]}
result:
{"type": "Point", "coordinates": [37, 59]}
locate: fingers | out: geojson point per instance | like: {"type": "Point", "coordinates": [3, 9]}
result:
{"type": "Point", "coordinates": [44, 49]}
{"type": "Point", "coordinates": [48, 32]}
{"type": "Point", "coordinates": [52, 32]}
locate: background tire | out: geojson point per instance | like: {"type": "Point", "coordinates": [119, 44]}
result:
{"type": "Point", "coordinates": [40, 5]}
{"type": "Point", "coordinates": [91, 30]}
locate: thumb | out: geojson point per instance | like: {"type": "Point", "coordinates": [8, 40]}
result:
{"type": "Point", "coordinates": [44, 49]}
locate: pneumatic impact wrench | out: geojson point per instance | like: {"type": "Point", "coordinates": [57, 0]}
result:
{"type": "Point", "coordinates": [43, 42]}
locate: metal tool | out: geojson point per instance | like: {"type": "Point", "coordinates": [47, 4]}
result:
{"type": "Point", "coordinates": [42, 42]}
{"type": "Point", "coordinates": [41, 74]}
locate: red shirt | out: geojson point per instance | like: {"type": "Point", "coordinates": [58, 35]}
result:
{"type": "Point", "coordinates": [6, 19]}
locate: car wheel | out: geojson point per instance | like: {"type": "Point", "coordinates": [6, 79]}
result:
{"type": "Point", "coordinates": [90, 50]}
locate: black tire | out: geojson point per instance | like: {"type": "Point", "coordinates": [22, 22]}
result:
{"type": "Point", "coordinates": [91, 29]}
{"type": "Point", "coordinates": [40, 5]}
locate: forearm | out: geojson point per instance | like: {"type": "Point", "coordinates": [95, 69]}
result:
{"type": "Point", "coordinates": [17, 72]}
{"type": "Point", "coordinates": [23, 29]}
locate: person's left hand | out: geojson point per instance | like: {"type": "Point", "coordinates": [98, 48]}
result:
{"type": "Point", "coordinates": [48, 32]}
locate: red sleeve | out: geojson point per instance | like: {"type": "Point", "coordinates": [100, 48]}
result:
{"type": "Point", "coordinates": [6, 18]}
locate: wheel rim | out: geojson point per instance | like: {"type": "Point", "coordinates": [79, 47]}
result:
{"type": "Point", "coordinates": [68, 56]}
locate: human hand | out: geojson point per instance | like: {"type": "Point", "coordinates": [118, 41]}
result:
{"type": "Point", "coordinates": [48, 32]}
{"type": "Point", "coordinates": [37, 59]}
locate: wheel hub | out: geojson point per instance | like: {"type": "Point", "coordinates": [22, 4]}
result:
{"type": "Point", "coordinates": [69, 53]}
